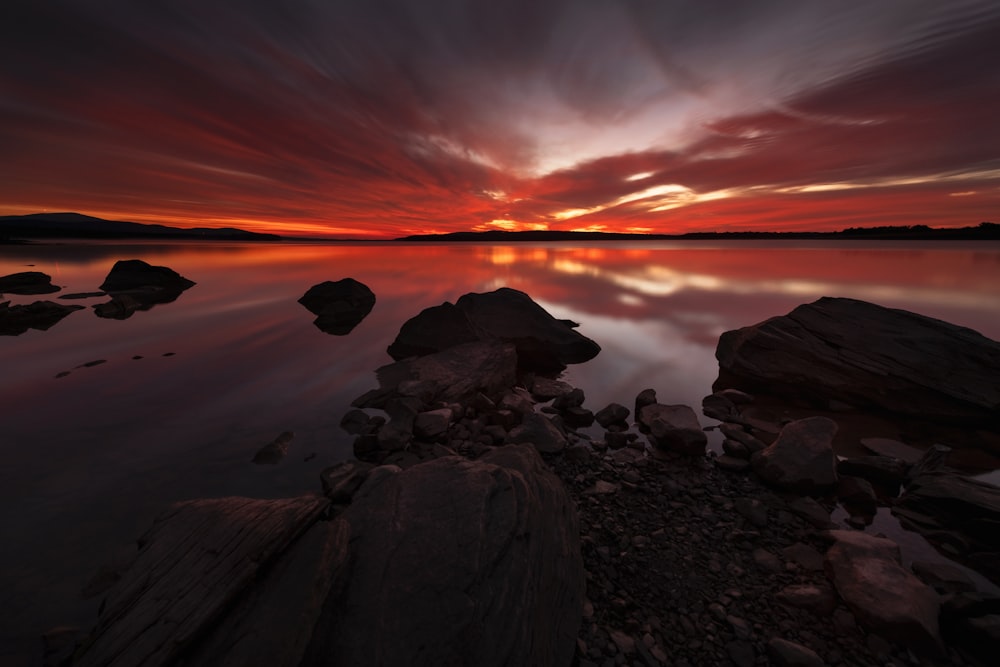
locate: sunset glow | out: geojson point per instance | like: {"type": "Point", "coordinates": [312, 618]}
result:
{"type": "Point", "coordinates": [356, 120]}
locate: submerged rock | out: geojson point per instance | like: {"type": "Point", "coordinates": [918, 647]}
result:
{"type": "Point", "coordinates": [871, 357]}
{"type": "Point", "coordinates": [275, 450]}
{"type": "Point", "coordinates": [339, 306]}
{"type": "Point", "coordinates": [27, 282]}
{"type": "Point", "coordinates": [40, 315]}
{"type": "Point", "coordinates": [543, 343]}
{"type": "Point", "coordinates": [135, 285]}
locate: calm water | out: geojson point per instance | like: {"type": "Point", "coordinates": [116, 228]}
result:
{"type": "Point", "coordinates": [89, 459]}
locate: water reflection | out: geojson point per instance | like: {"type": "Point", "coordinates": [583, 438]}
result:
{"type": "Point", "coordinates": [100, 452]}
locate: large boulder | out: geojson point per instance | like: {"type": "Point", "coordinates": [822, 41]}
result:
{"type": "Point", "coordinates": [136, 275]}
{"type": "Point", "coordinates": [888, 599]}
{"type": "Point", "coordinates": [801, 458]}
{"type": "Point", "coordinates": [543, 343]}
{"type": "Point", "coordinates": [134, 285]}
{"type": "Point", "coordinates": [40, 315]}
{"type": "Point", "coordinates": [27, 282]}
{"type": "Point", "coordinates": [957, 513]}
{"type": "Point", "coordinates": [339, 306]}
{"type": "Point", "coordinates": [837, 351]}
{"type": "Point", "coordinates": [458, 562]}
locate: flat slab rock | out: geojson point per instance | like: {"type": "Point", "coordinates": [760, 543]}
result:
{"type": "Point", "coordinates": [885, 597]}
{"type": "Point", "coordinates": [867, 356]}
{"type": "Point", "coordinates": [193, 563]}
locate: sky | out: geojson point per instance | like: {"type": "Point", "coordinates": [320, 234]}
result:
{"type": "Point", "coordinates": [384, 118]}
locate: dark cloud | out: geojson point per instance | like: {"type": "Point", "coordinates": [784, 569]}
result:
{"type": "Point", "coordinates": [387, 117]}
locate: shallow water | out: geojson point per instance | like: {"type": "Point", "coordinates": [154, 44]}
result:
{"type": "Point", "coordinates": [87, 460]}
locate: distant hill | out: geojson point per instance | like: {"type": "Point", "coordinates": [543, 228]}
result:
{"type": "Point", "coordinates": [984, 231]}
{"type": "Point", "coordinates": [77, 226]}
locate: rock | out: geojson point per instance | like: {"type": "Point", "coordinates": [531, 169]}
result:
{"type": "Point", "coordinates": [458, 562]}
{"type": "Point", "coordinates": [960, 510]}
{"type": "Point", "coordinates": [804, 556]}
{"type": "Point", "coordinates": [784, 653]}
{"type": "Point", "coordinates": [752, 510]}
{"type": "Point", "coordinates": [82, 295]}
{"type": "Point", "coordinates": [737, 450]}
{"type": "Point", "coordinates": [572, 399]}
{"type": "Point", "coordinates": [339, 306]}
{"type": "Point", "coordinates": [431, 424]}
{"type": "Point", "coordinates": [135, 274]}
{"type": "Point", "coordinates": [135, 285]}
{"type": "Point", "coordinates": [811, 511]}
{"type": "Point", "coordinates": [674, 428]}
{"type": "Point", "coordinates": [802, 457]}
{"type": "Point", "coordinates": [577, 417]}
{"type": "Point", "coordinates": [857, 495]}
{"type": "Point", "coordinates": [819, 600]}
{"type": "Point", "coordinates": [275, 450]}
{"type": "Point", "coordinates": [612, 414]}
{"type": "Point", "coordinates": [887, 599]}
{"type": "Point", "coordinates": [274, 622]}
{"type": "Point", "coordinates": [642, 399]}
{"type": "Point", "coordinates": [543, 343]}
{"type": "Point", "coordinates": [27, 282]}
{"type": "Point", "coordinates": [887, 473]}
{"type": "Point", "coordinates": [736, 397]}
{"type": "Point", "coordinates": [540, 432]}
{"type": "Point", "coordinates": [355, 421]}
{"type": "Point", "coordinates": [59, 644]}
{"type": "Point", "coordinates": [737, 433]}
{"type": "Point", "coordinates": [40, 315]}
{"type": "Point", "coordinates": [741, 653]}
{"type": "Point", "coordinates": [601, 488]}
{"type": "Point", "coordinates": [718, 407]}
{"type": "Point", "coordinates": [971, 623]}
{"type": "Point", "coordinates": [516, 402]}
{"type": "Point", "coordinates": [892, 449]}
{"type": "Point", "coordinates": [197, 558]}
{"type": "Point", "coordinates": [342, 480]}
{"type": "Point", "coordinates": [545, 389]}
{"type": "Point", "coordinates": [457, 374]}
{"type": "Point", "coordinates": [942, 576]}
{"type": "Point", "coordinates": [767, 561]}
{"type": "Point", "coordinates": [872, 357]}
{"type": "Point", "coordinates": [732, 463]}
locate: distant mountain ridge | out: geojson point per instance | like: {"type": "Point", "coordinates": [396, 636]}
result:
{"type": "Point", "coordinates": [983, 231]}
{"type": "Point", "coordinates": [78, 226]}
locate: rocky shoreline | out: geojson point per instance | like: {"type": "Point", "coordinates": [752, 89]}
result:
{"type": "Point", "coordinates": [486, 521]}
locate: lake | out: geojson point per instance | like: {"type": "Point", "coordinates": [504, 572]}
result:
{"type": "Point", "coordinates": [88, 459]}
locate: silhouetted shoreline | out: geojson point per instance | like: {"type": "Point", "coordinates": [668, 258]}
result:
{"type": "Point", "coordinates": [984, 231]}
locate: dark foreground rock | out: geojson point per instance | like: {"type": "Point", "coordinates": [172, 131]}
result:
{"type": "Point", "coordinates": [543, 343]}
{"type": "Point", "coordinates": [842, 351]}
{"type": "Point", "coordinates": [458, 562]}
{"type": "Point", "coordinates": [27, 282]}
{"type": "Point", "coordinates": [135, 285]}
{"type": "Point", "coordinates": [339, 306]}
{"type": "Point", "coordinates": [40, 315]}
{"type": "Point", "coordinates": [451, 562]}
{"type": "Point", "coordinates": [194, 563]}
